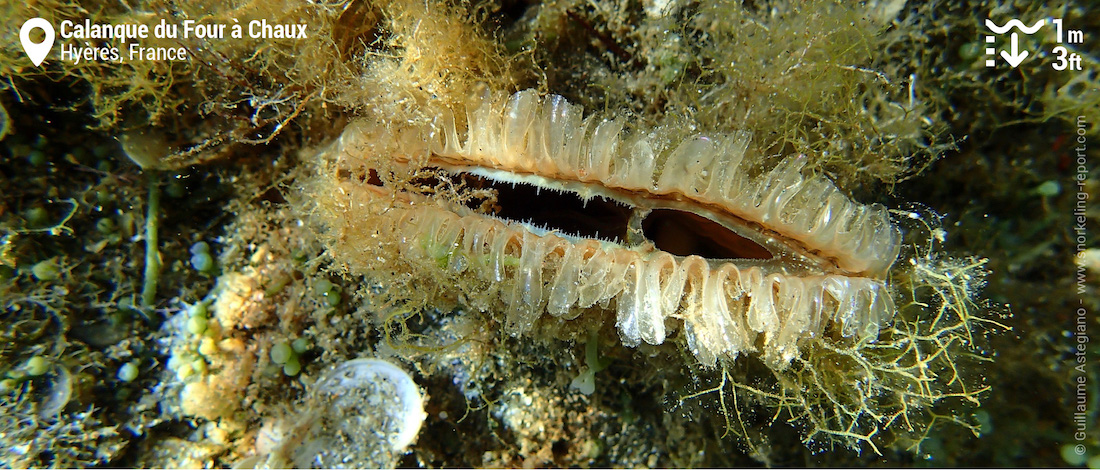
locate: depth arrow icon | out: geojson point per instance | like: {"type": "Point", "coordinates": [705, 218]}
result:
{"type": "Point", "coordinates": [1014, 58]}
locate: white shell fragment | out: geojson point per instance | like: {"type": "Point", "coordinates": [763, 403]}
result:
{"type": "Point", "coordinates": [382, 385]}
{"type": "Point", "coordinates": [362, 413]}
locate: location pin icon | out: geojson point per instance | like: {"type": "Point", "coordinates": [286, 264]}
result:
{"type": "Point", "coordinates": [36, 51]}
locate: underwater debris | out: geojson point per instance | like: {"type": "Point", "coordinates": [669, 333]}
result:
{"type": "Point", "coordinates": [362, 413]}
{"type": "Point", "coordinates": [786, 257]}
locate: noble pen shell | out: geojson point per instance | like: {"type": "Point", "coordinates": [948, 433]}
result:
{"type": "Point", "coordinates": [726, 307]}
